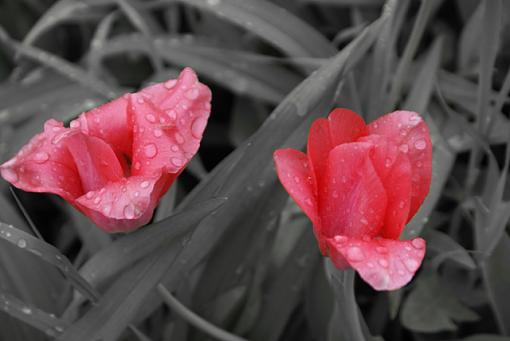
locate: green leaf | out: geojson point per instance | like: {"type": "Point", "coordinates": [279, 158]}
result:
{"type": "Point", "coordinates": [447, 248]}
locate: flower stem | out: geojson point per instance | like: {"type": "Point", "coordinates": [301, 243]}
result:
{"type": "Point", "coordinates": [345, 323]}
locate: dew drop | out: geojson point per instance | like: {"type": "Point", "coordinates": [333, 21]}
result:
{"type": "Point", "coordinates": [340, 239]}
{"type": "Point", "coordinates": [97, 200]}
{"type": "Point", "coordinates": [170, 84]}
{"type": "Point", "coordinates": [176, 161]}
{"type": "Point", "coordinates": [370, 264]}
{"type": "Point", "coordinates": [140, 100]}
{"type": "Point", "coordinates": [75, 124]}
{"type": "Point", "coordinates": [364, 221]}
{"type": "Point", "coordinates": [22, 243]}
{"type": "Point", "coordinates": [41, 157]}
{"type": "Point", "coordinates": [174, 148]}
{"type": "Point", "coordinates": [387, 162]}
{"type": "Point", "coordinates": [404, 148]}
{"type": "Point", "coordinates": [89, 195]}
{"type": "Point", "coordinates": [381, 249]}
{"type": "Point", "coordinates": [411, 264]}
{"type": "Point", "coordinates": [420, 144]}
{"type": "Point", "coordinates": [136, 194]}
{"type": "Point", "coordinates": [383, 263]}
{"type": "Point", "coordinates": [344, 179]}
{"type": "Point", "coordinates": [107, 209]}
{"type": "Point", "coordinates": [418, 243]}
{"type": "Point", "coordinates": [308, 201]}
{"type": "Point", "coordinates": [401, 272]}
{"type": "Point", "coordinates": [26, 310]}
{"type": "Point", "coordinates": [129, 211]}
{"type": "Point", "coordinates": [144, 184]}
{"type": "Point", "coordinates": [355, 254]}
{"type": "Point", "coordinates": [179, 138]}
{"type": "Point", "coordinates": [151, 118]}
{"type": "Point", "coordinates": [401, 204]}
{"type": "Point", "coordinates": [192, 94]}
{"type": "Point", "coordinates": [158, 132]}
{"type": "Point", "coordinates": [137, 165]}
{"type": "Point", "coordinates": [172, 114]}
{"type": "Point", "coordinates": [198, 126]}
{"type": "Point", "coordinates": [150, 150]}
{"type": "Point", "coordinates": [296, 180]}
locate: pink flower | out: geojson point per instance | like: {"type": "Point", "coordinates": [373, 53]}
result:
{"type": "Point", "coordinates": [116, 161]}
{"type": "Point", "coordinates": [360, 184]}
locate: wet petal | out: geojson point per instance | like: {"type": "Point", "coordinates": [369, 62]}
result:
{"type": "Point", "coordinates": [385, 264]}
{"type": "Point", "coordinates": [109, 122]}
{"type": "Point", "coordinates": [45, 165]}
{"type": "Point", "coordinates": [123, 205]}
{"type": "Point", "coordinates": [341, 126]}
{"type": "Point", "coordinates": [295, 174]}
{"type": "Point", "coordinates": [168, 124]}
{"type": "Point", "coordinates": [352, 201]}
{"type": "Point", "coordinates": [394, 170]}
{"type": "Point", "coordinates": [409, 132]}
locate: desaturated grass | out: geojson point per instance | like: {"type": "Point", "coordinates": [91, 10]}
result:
{"type": "Point", "coordinates": [227, 256]}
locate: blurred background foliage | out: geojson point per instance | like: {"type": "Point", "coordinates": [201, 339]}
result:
{"type": "Point", "coordinates": [227, 254]}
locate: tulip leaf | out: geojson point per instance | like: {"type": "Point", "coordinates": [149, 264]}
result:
{"type": "Point", "coordinates": [447, 248]}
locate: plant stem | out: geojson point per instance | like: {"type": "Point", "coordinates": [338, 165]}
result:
{"type": "Point", "coordinates": [345, 322]}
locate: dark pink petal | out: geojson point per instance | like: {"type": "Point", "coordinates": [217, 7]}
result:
{"type": "Point", "coordinates": [352, 200]}
{"type": "Point", "coordinates": [95, 160]}
{"type": "Point", "coordinates": [385, 264]}
{"type": "Point", "coordinates": [109, 122]}
{"type": "Point", "coordinates": [341, 126]}
{"type": "Point", "coordinates": [45, 165]}
{"type": "Point", "coordinates": [295, 174]}
{"type": "Point", "coordinates": [168, 123]}
{"type": "Point", "coordinates": [394, 170]}
{"type": "Point", "coordinates": [123, 205]}
{"type": "Point", "coordinates": [410, 133]}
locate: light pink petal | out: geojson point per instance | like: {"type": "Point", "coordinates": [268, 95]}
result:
{"type": "Point", "coordinates": [168, 124]}
{"type": "Point", "coordinates": [341, 126]}
{"type": "Point", "coordinates": [45, 165]}
{"type": "Point", "coordinates": [95, 160]}
{"type": "Point", "coordinates": [385, 264]}
{"type": "Point", "coordinates": [295, 174]}
{"type": "Point", "coordinates": [394, 170]}
{"type": "Point", "coordinates": [109, 122]}
{"type": "Point", "coordinates": [410, 133]}
{"type": "Point", "coordinates": [352, 200]}
{"type": "Point", "coordinates": [123, 205]}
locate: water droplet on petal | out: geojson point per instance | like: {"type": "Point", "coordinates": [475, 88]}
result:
{"type": "Point", "coordinates": [137, 165]}
{"type": "Point", "coordinates": [97, 200]}
{"type": "Point", "coordinates": [411, 264]}
{"type": "Point", "coordinates": [401, 204]}
{"type": "Point", "coordinates": [420, 144]}
{"type": "Point", "coordinates": [107, 209]}
{"type": "Point", "coordinates": [172, 114]}
{"type": "Point", "coordinates": [176, 161]}
{"type": "Point", "coordinates": [140, 100]}
{"type": "Point", "coordinates": [364, 221]}
{"type": "Point", "coordinates": [89, 195]}
{"type": "Point", "coordinates": [296, 180]}
{"type": "Point", "coordinates": [419, 164]}
{"type": "Point", "coordinates": [136, 194]}
{"type": "Point", "coordinates": [354, 254]}
{"type": "Point", "coordinates": [179, 138]}
{"type": "Point", "coordinates": [174, 148]}
{"type": "Point", "coordinates": [151, 118]}
{"type": "Point", "coordinates": [41, 157]}
{"type": "Point", "coordinates": [129, 211]}
{"type": "Point", "coordinates": [418, 243]}
{"type": "Point", "coordinates": [387, 162]}
{"type": "Point", "coordinates": [22, 243]}
{"type": "Point", "coordinates": [198, 126]}
{"type": "Point", "coordinates": [170, 84]}
{"type": "Point", "coordinates": [192, 93]}
{"type": "Point", "coordinates": [340, 239]}
{"type": "Point", "coordinates": [158, 132]}
{"type": "Point", "coordinates": [404, 148]}
{"type": "Point", "coordinates": [383, 263]}
{"type": "Point", "coordinates": [150, 150]}
{"type": "Point", "coordinates": [381, 249]}
{"type": "Point", "coordinates": [75, 124]}
{"type": "Point", "coordinates": [144, 184]}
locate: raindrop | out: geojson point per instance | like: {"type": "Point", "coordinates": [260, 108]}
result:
{"type": "Point", "coordinates": [308, 202]}
{"type": "Point", "coordinates": [89, 195]}
{"type": "Point", "coordinates": [355, 254]}
{"type": "Point", "coordinates": [419, 164]}
{"type": "Point", "coordinates": [129, 211]}
{"type": "Point", "coordinates": [151, 118]}
{"type": "Point", "coordinates": [383, 263]}
{"type": "Point", "coordinates": [172, 114]}
{"type": "Point", "coordinates": [198, 126]}
{"type": "Point", "coordinates": [107, 209]}
{"type": "Point", "coordinates": [136, 194]}
{"type": "Point", "coordinates": [22, 243]}
{"type": "Point", "coordinates": [404, 148]}
{"type": "Point", "coordinates": [418, 243]}
{"type": "Point", "coordinates": [192, 94]}
{"type": "Point", "coordinates": [75, 124]}
{"type": "Point", "coordinates": [179, 138]}
{"type": "Point", "coordinates": [144, 184]}
{"type": "Point", "coordinates": [381, 249]}
{"type": "Point", "coordinates": [364, 221]}
{"type": "Point", "coordinates": [170, 84]}
{"type": "Point", "coordinates": [420, 144]}
{"type": "Point", "coordinates": [340, 239]}
{"type": "Point", "coordinates": [174, 148]}
{"type": "Point", "coordinates": [158, 132]}
{"type": "Point", "coordinates": [401, 204]}
{"type": "Point", "coordinates": [370, 264]}
{"type": "Point", "coordinates": [26, 310]}
{"type": "Point", "coordinates": [176, 161]}
{"type": "Point", "coordinates": [387, 162]}
{"type": "Point", "coordinates": [411, 264]}
{"type": "Point", "coordinates": [97, 200]}
{"type": "Point", "coordinates": [137, 165]}
{"type": "Point", "coordinates": [401, 272]}
{"type": "Point", "coordinates": [150, 150]}
{"type": "Point", "coordinates": [344, 179]}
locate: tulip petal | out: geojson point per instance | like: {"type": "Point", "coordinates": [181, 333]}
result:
{"type": "Point", "coordinates": [407, 130]}
{"type": "Point", "coordinates": [394, 170]}
{"type": "Point", "coordinates": [45, 165]}
{"type": "Point", "coordinates": [352, 201]}
{"type": "Point", "coordinates": [109, 122]}
{"type": "Point", "coordinates": [123, 205]}
{"type": "Point", "coordinates": [295, 174]}
{"type": "Point", "coordinates": [385, 264]}
{"type": "Point", "coordinates": [95, 160]}
{"type": "Point", "coordinates": [168, 124]}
